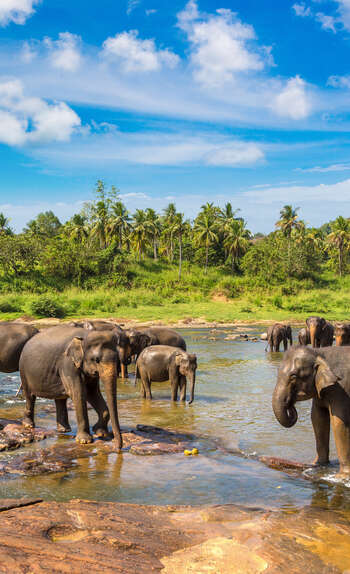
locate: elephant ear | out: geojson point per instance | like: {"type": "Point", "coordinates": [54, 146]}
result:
{"type": "Point", "coordinates": [75, 351]}
{"type": "Point", "coordinates": [144, 340]}
{"type": "Point", "coordinates": [325, 377]}
{"type": "Point", "coordinates": [178, 359]}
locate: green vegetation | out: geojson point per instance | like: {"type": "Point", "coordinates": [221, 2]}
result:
{"type": "Point", "coordinates": [107, 262]}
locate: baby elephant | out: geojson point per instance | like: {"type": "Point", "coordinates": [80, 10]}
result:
{"type": "Point", "coordinates": [161, 363]}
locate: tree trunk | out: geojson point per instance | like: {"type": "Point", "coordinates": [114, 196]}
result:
{"type": "Point", "coordinates": [206, 257]}
{"type": "Point", "coordinates": [341, 260]}
{"type": "Point", "coordinates": [180, 256]}
{"type": "Point", "coordinates": [155, 256]}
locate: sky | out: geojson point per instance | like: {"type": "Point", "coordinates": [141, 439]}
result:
{"type": "Point", "coordinates": [246, 101]}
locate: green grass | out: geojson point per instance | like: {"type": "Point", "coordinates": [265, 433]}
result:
{"type": "Point", "coordinates": [157, 294]}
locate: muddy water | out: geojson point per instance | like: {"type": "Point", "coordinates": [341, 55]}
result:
{"type": "Point", "coordinates": [232, 410]}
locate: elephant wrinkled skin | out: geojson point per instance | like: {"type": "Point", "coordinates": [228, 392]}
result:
{"type": "Point", "coordinates": [64, 362]}
{"type": "Point", "coordinates": [13, 337]}
{"type": "Point", "coordinates": [322, 375]}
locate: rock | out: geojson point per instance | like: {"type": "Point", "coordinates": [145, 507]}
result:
{"type": "Point", "coordinates": [85, 536]}
{"type": "Point", "coordinates": [14, 435]}
{"type": "Point", "coordinates": [263, 337]}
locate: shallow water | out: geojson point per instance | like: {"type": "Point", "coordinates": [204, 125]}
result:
{"type": "Point", "coordinates": [232, 409]}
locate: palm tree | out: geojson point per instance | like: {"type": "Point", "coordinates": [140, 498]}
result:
{"type": "Point", "coordinates": [206, 229]}
{"type": "Point", "coordinates": [77, 228]}
{"type": "Point", "coordinates": [119, 222]}
{"type": "Point", "coordinates": [236, 240]}
{"type": "Point", "coordinates": [340, 239]}
{"type": "Point", "coordinates": [168, 222]}
{"type": "Point", "coordinates": [140, 232]}
{"type": "Point", "coordinates": [227, 215]}
{"type": "Point", "coordinates": [288, 220]}
{"type": "Point", "coordinates": [180, 227]}
{"type": "Point", "coordinates": [5, 228]}
{"type": "Point", "coordinates": [154, 227]}
{"type": "Point", "coordinates": [100, 215]}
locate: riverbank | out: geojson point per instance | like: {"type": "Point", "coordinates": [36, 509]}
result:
{"type": "Point", "coordinates": [80, 536]}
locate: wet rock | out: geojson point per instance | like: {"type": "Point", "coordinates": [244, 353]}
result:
{"type": "Point", "coordinates": [85, 536]}
{"type": "Point", "coordinates": [13, 435]}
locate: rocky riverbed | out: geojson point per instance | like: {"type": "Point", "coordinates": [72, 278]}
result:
{"type": "Point", "coordinates": [86, 536]}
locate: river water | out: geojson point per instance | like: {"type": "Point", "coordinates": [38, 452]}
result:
{"type": "Point", "coordinates": [232, 410]}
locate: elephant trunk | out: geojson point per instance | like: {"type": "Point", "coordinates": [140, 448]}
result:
{"type": "Point", "coordinates": [193, 382]}
{"type": "Point", "coordinates": [284, 410]}
{"type": "Point", "coordinates": [109, 380]}
{"type": "Point", "coordinates": [313, 330]}
{"type": "Point", "coordinates": [338, 340]}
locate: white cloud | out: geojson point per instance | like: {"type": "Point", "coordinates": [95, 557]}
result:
{"type": "Point", "coordinates": [26, 119]}
{"type": "Point", "coordinates": [302, 10]}
{"type": "Point", "coordinates": [325, 169]}
{"type": "Point", "coordinates": [28, 53]}
{"type": "Point", "coordinates": [151, 11]}
{"type": "Point", "coordinates": [293, 101]}
{"type": "Point", "coordinates": [17, 11]}
{"type": "Point", "coordinates": [131, 6]}
{"type": "Point", "coordinates": [327, 22]}
{"type": "Point", "coordinates": [235, 155]}
{"type": "Point", "coordinates": [339, 81]}
{"type": "Point", "coordinates": [136, 55]}
{"type": "Point", "coordinates": [344, 12]}
{"type": "Point", "coordinates": [221, 45]}
{"type": "Point", "coordinates": [64, 53]}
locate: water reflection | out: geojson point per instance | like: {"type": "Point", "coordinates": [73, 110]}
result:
{"type": "Point", "coordinates": [232, 409]}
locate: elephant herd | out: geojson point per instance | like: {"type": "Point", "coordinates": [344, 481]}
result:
{"type": "Point", "coordinates": [320, 373]}
{"type": "Point", "coordinates": [70, 361]}
{"type": "Point", "coordinates": [318, 333]}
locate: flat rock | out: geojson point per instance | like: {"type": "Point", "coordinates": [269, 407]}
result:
{"type": "Point", "coordinates": [14, 435]}
{"type": "Point", "coordinates": [85, 536]}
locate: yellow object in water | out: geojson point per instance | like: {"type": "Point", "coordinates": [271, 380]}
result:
{"type": "Point", "coordinates": [195, 451]}
{"type": "Point", "coordinates": [187, 452]}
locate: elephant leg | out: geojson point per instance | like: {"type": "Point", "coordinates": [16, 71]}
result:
{"type": "Point", "coordinates": [321, 424]}
{"type": "Point", "coordinates": [28, 419]}
{"type": "Point", "coordinates": [285, 344]}
{"type": "Point", "coordinates": [146, 384]}
{"type": "Point", "coordinates": [277, 346]}
{"type": "Point", "coordinates": [183, 382]}
{"type": "Point", "coordinates": [62, 416]}
{"type": "Point", "coordinates": [96, 400]}
{"type": "Point", "coordinates": [77, 392]}
{"type": "Point", "coordinates": [174, 387]}
{"type": "Point", "coordinates": [124, 371]}
{"type": "Point", "coordinates": [341, 430]}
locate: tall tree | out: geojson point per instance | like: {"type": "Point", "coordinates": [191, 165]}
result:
{"type": "Point", "coordinates": [5, 228]}
{"type": "Point", "coordinates": [288, 220]}
{"type": "Point", "coordinates": [45, 225]}
{"type": "Point", "coordinates": [119, 222]}
{"type": "Point", "coordinates": [339, 238]}
{"type": "Point", "coordinates": [236, 240]}
{"type": "Point", "coordinates": [168, 231]}
{"type": "Point", "coordinates": [77, 228]}
{"type": "Point", "coordinates": [180, 227]}
{"type": "Point", "coordinates": [154, 229]}
{"type": "Point", "coordinates": [100, 215]}
{"type": "Point", "coordinates": [206, 229]}
{"type": "Point", "coordinates": [140, 232]}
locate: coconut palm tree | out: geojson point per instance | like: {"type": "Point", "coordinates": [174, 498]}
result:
{"type": "Point", "coordinates": [168, 232]}
{"type": "Point", "coordinates": [340, 239]}
{"type": "Point", "coordinates": [100, 215]}
{"type": "Point", "coordinates": [119, 222]}
{"type": "Point", "coordinates": [5, 228]}
{"type": "Point", "coordinates": [288, 220]}
{"type": "Point", "coordinates": [236, 240]}
{"type": "Point", "coordinates": [180, 227]}
{"type": "Point", "coordinates": [140, 232]}
{"type": "Point", "coordinates": [155, 228]}
{"type": "Point", "coordinates": [77, 228]}
{"type": "Point", "coordinates": [206, 229]}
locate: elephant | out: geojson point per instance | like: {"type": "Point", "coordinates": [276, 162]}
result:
{"type": "Point", "coordinates": [342, 334]}
{"type": "Point", "coordinates": [278, 333]}
{"type": "Point", "coordinates": [165, 336]}
{"type": "Point", "coordinates": [123, 345]}
{"type": "Point", "coordinates": [13, 337]}
{"type": "Point", "coordinates": [321, 332]}
{"type": "Point", "coordinates": [64, 362]}
{"type": "Point", "coordinates": [165, 363]}
{"type": "Point", "coordinates": [143, 337]}
{"type": "Point", "coordinates": [304, 337]}
{"type": "Point", "coordinates": [322, 375]}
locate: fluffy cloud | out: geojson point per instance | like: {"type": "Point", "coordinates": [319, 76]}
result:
{"type": "Point", "coordinates": [302, 10]}
{"type": "Point", "coordinates": [17, 11]}
{"type": "Point", "coordinates": [236, 154]}
{"type": "Point", "coordinates": [65, 52]}
{"type": "Point", "coordinates": [344, 12]}
{"type": "Point", "coordinates": [293, 101]}
{"type": "Point", "coordinates": [136, 55]}
{"type": "Point", "coordinates": [221, 45]}
{"type": "Point", "coordinates": [26, 119]}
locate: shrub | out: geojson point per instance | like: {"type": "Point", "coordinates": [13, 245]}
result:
{"type": "Point", "coordinates": [46, 306]}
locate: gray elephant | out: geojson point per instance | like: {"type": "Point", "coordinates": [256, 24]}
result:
{"type": "Point", "coordinates": [64, 362]}
{"type": "Point", "coordinates": [165, 363]}
{"type": "Point", "coordinates": [123, 344]}
{"type": "Point", "coordinates": [342, 334]}
{"type": "Point", "coordinates": [321, 332]}
{"type": "Point", "coordinates": [278, 333]}
{"type": "Point", "coordinates": [322, 375]}
{"type": "Point", "coordinates": [13, 337]}
{"type": "Point", "coordinates": [165, 336]}
{"type": "Point", "coordinates": [304, 337]}
{"type": "Point", "coordinates": [143, 337]}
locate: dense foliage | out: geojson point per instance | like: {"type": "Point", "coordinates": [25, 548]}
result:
{"type": "Point", "coordinates": [106, 246]}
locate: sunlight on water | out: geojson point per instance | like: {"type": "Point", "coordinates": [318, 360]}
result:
{"type": "Point", "coordinates": [232, 410]}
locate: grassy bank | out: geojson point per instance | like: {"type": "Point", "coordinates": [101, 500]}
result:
{"type": "Point", "coordinates": [156, 294]}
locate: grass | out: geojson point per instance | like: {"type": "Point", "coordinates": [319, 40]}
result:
{"type": "Point", "coordinates": [156, 294]}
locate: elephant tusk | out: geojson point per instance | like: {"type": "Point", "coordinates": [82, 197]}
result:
{"type": "Point", "coordinates": [19, 390]}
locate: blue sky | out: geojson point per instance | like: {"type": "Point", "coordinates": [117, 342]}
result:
{"type": "Point", "coordinates": [230, 100]}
